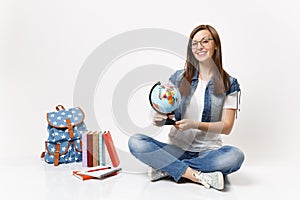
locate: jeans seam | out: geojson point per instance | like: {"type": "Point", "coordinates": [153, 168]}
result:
{"type": "Point", "coordinates": [180, 173]}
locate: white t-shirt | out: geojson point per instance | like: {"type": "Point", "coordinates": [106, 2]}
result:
{"type": "Point", "coordinates": [197, 140]}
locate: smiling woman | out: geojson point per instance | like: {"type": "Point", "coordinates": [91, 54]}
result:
{"type": "Point", "coordinates": [208, 53]}
{"type": "Point", "coordinates": [207, 110]}
{"type": "Point", "coordinates": [205, 47]}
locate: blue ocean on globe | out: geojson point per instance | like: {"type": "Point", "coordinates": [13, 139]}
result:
{"type": "Point", "coordinates": [165, 98]}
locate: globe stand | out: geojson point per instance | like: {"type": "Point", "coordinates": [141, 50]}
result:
{"type": "Point", "coordinates": [169, 121]}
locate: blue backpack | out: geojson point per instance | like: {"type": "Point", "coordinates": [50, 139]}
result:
{"type": "Point", "coordinates": [64, 141]}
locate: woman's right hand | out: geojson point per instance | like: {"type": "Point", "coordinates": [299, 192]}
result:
{"type": "Point", "coordinates": [159, 119]}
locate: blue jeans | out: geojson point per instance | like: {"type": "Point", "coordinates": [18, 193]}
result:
{"type": "Point", "coordinates": [174, 161]}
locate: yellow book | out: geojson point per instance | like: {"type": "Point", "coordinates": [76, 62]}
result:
{"type": "Point", "coordinates": [95, 149]}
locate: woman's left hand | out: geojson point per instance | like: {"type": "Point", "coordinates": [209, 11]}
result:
{"type": "Point", "coordinates": [185, 124]}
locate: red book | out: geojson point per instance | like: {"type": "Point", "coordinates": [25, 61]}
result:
{"type": "Point", "coordinates": [87, 177]}
{"type": "Point", "coordinates": [106, 172]}
{"type": "Point", "coordinates": [82, 176]}
{"type": "Point", "coordinates": [111, 149]}
{"type": "Point", "coordinates": [101, 173]}
{"type": "Point", "coordinates": [90, 149]}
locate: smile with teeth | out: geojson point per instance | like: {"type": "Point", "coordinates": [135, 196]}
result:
{"type": "Point", "coordinates": [201, 53]}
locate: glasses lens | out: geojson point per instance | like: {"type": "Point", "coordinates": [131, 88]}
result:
{"type": "Point", "coordinates": [194, 44]}
{"type": "Point", "coordinates": [204, 42]}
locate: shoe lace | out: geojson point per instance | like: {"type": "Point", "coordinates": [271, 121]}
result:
{"type": "Point", "coordinates": [204, 180]}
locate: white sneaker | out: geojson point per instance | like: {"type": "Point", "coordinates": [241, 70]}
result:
{"type": "Point", "coordinates": [156, 174]}
{"type": "Point", "coordinates": [212, 179]}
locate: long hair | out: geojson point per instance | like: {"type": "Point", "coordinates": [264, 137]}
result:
{"type": "Point", "coordinates": [220, 76]}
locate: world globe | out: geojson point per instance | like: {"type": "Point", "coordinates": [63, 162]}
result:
{"type": "Point", "coordinates": [164, 98]}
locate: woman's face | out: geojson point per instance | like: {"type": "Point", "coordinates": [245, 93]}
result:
{"type": "Point", "coordinates": [203, 46]}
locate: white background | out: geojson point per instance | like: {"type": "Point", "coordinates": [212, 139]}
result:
{"type": "Point", "coordinates": [44, 44]}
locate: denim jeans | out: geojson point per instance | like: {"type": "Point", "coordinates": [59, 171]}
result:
{"type": "Point", "coordinates": [174, 161]}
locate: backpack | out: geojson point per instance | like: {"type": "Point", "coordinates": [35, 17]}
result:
{"type": "Point", "coordinates": [64, 140]}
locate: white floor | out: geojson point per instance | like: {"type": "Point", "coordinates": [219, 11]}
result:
{"type": "Point", "coordinates": [32, 178]}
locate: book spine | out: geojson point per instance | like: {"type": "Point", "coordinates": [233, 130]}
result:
{"type": "Point", "coordinates": [111, 149]}
{"type": "Point", "coordinates": [101, 150]}
{"type": "Point", "coordinates": [90, 150]}
{"type": "Point", "coordinates": [96, 149]}
{"type": "Point", "coordinates": [84, 149]}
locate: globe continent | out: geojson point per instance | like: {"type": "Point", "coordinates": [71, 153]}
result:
{"type": "Point", "coordinates": [165, 98]}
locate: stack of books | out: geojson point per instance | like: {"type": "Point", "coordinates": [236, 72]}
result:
{"type": "Point", "coordinates": [94, 146]}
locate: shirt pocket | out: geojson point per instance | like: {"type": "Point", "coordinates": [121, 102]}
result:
{"type": "Point", "coordinates": [217, 103]}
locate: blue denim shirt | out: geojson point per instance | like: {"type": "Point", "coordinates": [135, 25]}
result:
{"type": "Point", "coordinates": [213, 104]}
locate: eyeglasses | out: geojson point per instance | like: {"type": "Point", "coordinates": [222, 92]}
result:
{"type": "Point", "coordinates": [204, 43]}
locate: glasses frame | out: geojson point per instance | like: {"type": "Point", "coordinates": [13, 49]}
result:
{"type": "Point", "coordinates": [199, 42]}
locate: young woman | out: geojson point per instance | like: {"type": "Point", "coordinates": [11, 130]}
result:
{"type": "Point", "coordinates": [207, 110]}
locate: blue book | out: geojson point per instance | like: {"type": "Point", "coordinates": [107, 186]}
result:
{"type": "Point", "coordinates": [101, 150]}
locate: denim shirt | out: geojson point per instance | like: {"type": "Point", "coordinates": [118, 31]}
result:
{"type": "Point", "coordinates": [213, 104]}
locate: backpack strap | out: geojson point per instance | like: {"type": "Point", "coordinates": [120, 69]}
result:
{"type": "Point", "coordinates": [56, 154]}
{"type": "Point", "coordinates": [78, 150]}
{"type": "Point", "coordinates": [70, 128]}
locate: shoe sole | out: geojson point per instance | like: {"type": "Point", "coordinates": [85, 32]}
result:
{"type": "Point", "coordinates": [220, 185]}
{"type": "Point", "coordinates": [153, 179]}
